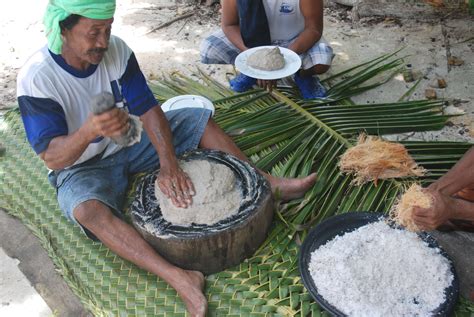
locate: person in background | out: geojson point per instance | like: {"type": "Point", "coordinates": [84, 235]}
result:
{"type": "Point", "coordinates": [294, 24]}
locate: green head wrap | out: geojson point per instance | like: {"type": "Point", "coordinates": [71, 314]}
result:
{"type": "Point", "coordinates": [58, 10]}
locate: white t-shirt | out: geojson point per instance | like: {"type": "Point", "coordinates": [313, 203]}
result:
{"type": "Point", "coordinates": [285, 19]}
{"type": "Point", "coordinates": [54, 98]}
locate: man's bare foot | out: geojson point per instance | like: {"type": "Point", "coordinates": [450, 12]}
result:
{"type": "Point", "coordinates": [190, 290]}
{"type": "Point", "coordinates": [291, 188]}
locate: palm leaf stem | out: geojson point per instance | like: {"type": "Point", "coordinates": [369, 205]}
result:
{"type": "Point", "coordinates": [312, 118]}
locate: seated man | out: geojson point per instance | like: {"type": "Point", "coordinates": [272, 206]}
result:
{"type": "Point", "coordinates": [89, 171]}
{"type": "Point", "coordinates": [295, 24]}
{"type": "Point", "coordinates": [453, 206]}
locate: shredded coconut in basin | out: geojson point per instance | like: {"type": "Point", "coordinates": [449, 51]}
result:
{"type": "Point", "coordinates": [380, 271]}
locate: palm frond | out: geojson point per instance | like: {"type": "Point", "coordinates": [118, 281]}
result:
{"type": "Point", "coordinates": [291, 137]}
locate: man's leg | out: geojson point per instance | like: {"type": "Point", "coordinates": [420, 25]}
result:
{"type": "Point", "coordinates": [289, 188]}
{"type": "Point", "coordinates": [127, 243]}
{"type": "Point", "coordinates": [315, 61]}
{"type": "Point", "coordinates": [315, 70]}
{"type": "Point", "coordinates": [217, 49]}
{"type": "Point", "coordinates": [93, 194]}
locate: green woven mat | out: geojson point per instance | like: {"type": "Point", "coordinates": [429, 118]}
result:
{"type": "Point", "coordinates": [265, 285]}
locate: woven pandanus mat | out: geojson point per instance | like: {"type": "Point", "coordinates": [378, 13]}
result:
{"type": "Point", "coordinates": [266, 285]}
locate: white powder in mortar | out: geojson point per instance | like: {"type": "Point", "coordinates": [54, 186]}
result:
{"type": "Point", "coordinates": [380, 271]}
{"type": "Point", "coordinates": [217, 196]}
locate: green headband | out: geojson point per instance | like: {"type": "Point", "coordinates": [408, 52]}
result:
{"type": "Point", "coordinates": [59, 10]}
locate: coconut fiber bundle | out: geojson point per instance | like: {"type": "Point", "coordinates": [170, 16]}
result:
{"type": "Point", "coordinates": [374, 158]}
{"type": "Point", "coordinates": [402, 211]}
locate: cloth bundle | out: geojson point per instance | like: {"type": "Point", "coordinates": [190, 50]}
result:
{"type": "Point", "coordinates": [105, 101]}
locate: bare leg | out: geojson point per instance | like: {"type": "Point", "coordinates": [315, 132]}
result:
{"type": "Point", "coordinates": [289, 188]}
{"type": "Point", "coordinates": [127, 243]}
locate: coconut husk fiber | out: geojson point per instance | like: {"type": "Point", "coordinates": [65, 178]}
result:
{"type": "Point", "coordinates": [402, 211]}
{"type": "Point", "coordinates": [373, 159]}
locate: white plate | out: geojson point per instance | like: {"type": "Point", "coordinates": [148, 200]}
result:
{"type": "Point", "coordinates": [187, 101]}
{"type": "Point", "coordinates": [292, 64]}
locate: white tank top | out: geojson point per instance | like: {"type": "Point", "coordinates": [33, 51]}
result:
{"type": "Point", "coordinates": [285, 19]}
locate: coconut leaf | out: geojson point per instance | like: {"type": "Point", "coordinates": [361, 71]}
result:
{"type": "Point", "coordinates": [290, 137]}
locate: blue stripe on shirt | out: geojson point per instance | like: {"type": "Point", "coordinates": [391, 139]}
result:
{"type": "Point", "coordinates": [71, 70]}
{"type": "Point", "coordinates": [135, 89]}
{"type": "Point", "coordinates": [44, 119]}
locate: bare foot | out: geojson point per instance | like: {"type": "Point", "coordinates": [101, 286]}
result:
{"type": "Point", "coordinates": [191, 292]}
{"type": "Point", "coordinates": [291, 188]}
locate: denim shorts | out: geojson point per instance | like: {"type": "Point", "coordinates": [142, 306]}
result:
{"type": "Point", "coordinates": [107, 179]}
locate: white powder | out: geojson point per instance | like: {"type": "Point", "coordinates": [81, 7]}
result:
{"type": "Point", "coordinates": [217, 196]}
{"type": "Point", "coordinates": [379, 271]}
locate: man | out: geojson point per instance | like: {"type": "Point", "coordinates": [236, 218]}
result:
{"type": "Point", "coordinates": [453, 204]}
{"type": "Point", "coordinates": [295, 24]}
{"type": "Point", "coordinates": [89, 171]}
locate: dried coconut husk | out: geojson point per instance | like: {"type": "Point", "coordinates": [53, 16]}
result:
{"type": "Point", "coordinates": [373, 158]}
{"type": "Point", "coordinates": [402, 211]}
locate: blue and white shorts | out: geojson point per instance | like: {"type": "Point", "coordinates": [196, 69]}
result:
{"type": "Point", "coordinates": [107, 179]}
{"type": "Point", "coordinates": [217, 49]}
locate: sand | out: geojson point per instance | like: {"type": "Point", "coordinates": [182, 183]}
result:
{"type": "Point", "coordinates": [217, 196]}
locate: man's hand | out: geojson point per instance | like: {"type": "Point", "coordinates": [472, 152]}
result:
{"type": "Point", "coordinates": [439, 213]}
{"type": "Point", "coordinates": [64, 150]}
{"type": "Point", "coordinates": [177, 186]}
{"type": "Point", "coordinates": [266, 84]}
{"type": "Point", "coordinates": [111, 123]}
{"type": "Point", "coordinates": [172, 180]}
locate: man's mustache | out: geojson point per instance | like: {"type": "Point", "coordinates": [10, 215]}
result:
{"type": "Point", "coordinates": [97, 50]}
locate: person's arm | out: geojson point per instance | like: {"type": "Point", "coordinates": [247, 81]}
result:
{"type": "Point", "coordinates": [444, 207]}
{"type": "Point", "coordinates": [230, 23]}
{"type": "Point", "coordinates": [63, 151]}
{"type": "Point", "coordinates": [445, 203]}
{"type": "Point", "coordinates": [458, 177]}
{"type": "Point", "coordinates": [173, 181]}
{"type": "Point", "coordinates": [313, 26]}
